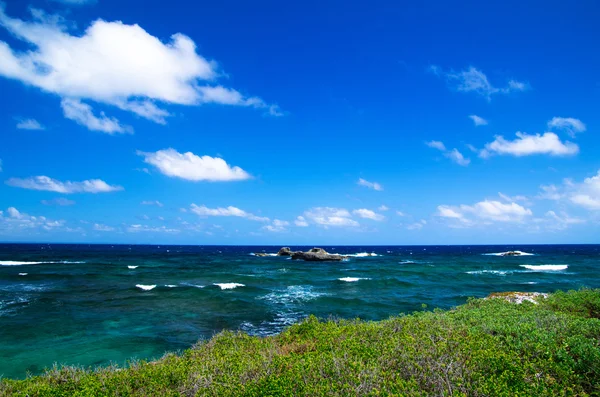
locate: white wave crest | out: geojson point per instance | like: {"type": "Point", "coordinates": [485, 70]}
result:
{"type": "Point", "coordinates": [170, 286]}
{"type": "Point", "coordinates": [132, 267]}
{"type": "Point", "coordinates": [228, 285]}
{"type": "Point", "coordinates": [507, 253]}
{"type": "Point", "coordinates": [23, 274]}
{"type": "Point", "coordinates": [145, 287]}
{"type": "Point", "coordinates": [496, 272]}
{"type": "Point", "coordinates": [406, 262]}
{"type": "Point", "coordinates": [352, 279]}
{"type": "Point", "coordinates": [23, 263]}
{"type": "Point", "coordinates": [292, 294]}
{"type": "Point", "coordinates": [361, 254]}
{"type": "Point", "coordinates": [546, 268]}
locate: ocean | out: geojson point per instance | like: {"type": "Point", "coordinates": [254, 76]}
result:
{"type": "Point", "coordinates": [94, 305]}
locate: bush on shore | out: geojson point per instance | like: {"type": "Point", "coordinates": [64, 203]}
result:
{"type": "Point", "coordinates": [487, 347]}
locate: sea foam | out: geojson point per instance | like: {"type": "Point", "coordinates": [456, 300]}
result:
{"type": "Point", "coordinates": [352, 279]}
{"type": "Point", "coordinates": [132, 267]}
{"type": "Point", "coordinates": [545, 268]}
{"type": "Point", "coordinates": [228, 285]}
{"type": "Point", "coordinates": [145, 287]}
{"type": "Point", "coordinates": [22, 263]}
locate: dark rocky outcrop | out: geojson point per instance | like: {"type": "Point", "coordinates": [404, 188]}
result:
{"type": "Point", "coordinates": [285, 251]}
{"type": "Point", "coordinates": [511, 253]}
{"type": "Point", "coordinates": [261, 254]}
{"type": "Point", "coordinates": [316, 255]}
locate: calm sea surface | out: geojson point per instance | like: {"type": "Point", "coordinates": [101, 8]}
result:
{"type": "Point", "coordinates": [97, 304]}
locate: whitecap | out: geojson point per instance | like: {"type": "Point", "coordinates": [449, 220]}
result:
{"type": "Point", "coordinates": [23, 263]}
{"type": "Point", "coordinates": [496, 272]}
{"type": "Point", "coordinates": [545, 268]}
{"type": "Point", "coordinates": [362, 254]}
{"type": "Point", "coordinates": [132, 267]}
{"type": "Point", "coordinates": [519, 253]}
{"type": "Point", "coordinates": [23, 274]}
{"type": "Point", "coordinates": [193, 285]}
{"type": "Point", "coordinates": [170, 285]}
{"type": "Point", "coordinates": [406, 262]}
{"type": "Point", "coordinates": [352, 279]}
{"type": "Point", "coordinates": [145, 287]}
{"type": "Point", "coordinates": [228, 285]}
{"type": "Point", "coordinates": [292, 294]}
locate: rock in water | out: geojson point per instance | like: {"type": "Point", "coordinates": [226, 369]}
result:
{"type": "Point", "coordinates": [316, 255]}
{"type": "Point", "coordinates": [285, 251]}
{"type": "Point", "coordinates": [261, 254]}
{"type": "Point", "coordinates": [511, 253]}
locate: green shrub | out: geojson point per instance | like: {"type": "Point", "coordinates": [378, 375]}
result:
{"type": "Point", "coordinates": [484, 348]}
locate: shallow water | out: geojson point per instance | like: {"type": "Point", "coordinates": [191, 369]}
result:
{"type": "Point", "coordinates": [96, 304]}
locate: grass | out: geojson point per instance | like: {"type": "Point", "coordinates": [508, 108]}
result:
{"type": "Point", "coordinates": [483, 348]}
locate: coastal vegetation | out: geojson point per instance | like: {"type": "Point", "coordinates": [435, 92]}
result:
{"type": "Point", "coordinates": [546, 346]}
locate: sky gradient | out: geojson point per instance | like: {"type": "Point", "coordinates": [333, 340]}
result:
{"type": "Point", "coordinates": [305, 123]}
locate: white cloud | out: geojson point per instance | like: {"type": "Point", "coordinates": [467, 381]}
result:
{"type": "Point", "coordinates": [61, 201]}
{"type": "Point", "coordinates": [82, 114]}
{"type": "Point", "coordinates": [76, 2]}
{"type": "Point", "coordinates": [16, 221]}
{"type": "Point", "coordinates": [154, 202]}
{"type": "Point", "coordinates": [400, 213]}
{"type": "Point", "coordinates": [301, 222]}
{"type": "Point", "coordinates": [587, 194]}
{"type": "Point", "coordinates": [30, 124]}
{"type": "Point", "coordinates": [370, 185]}
{"type": "Point", "coordinates": [383, 207]}
{"type": "Point", "coordinates": [474, 80]}
{"type": "Point", "coordinates": [193, 168]}
{"type": "Point", "coordinates": [561, 221]}
{"type": "Point", "coordinates": [103, 228]}
{"type": "Point", "coordinates": [368, 214]}
{"type": "Point", "coordinates": [457, 157]}
{"type": "Point", "coordinates": [453, 154]}
{"type": "Point", "coordinates": [436, 145]}
{"type": "Point", "coordinates": [478, 120]}
{"type": "Point", "coordinates": [571, 125]}
{"type": "Point", "coordinates": [68, 187]}
{"type": "Point", "coordinates": [550, 192]}
{"type": "Point", "coordinates": [328, 216]}
{"type": "Point", "coordinates": [151, 229]}
{"type": "Point", "coordinates": [526, 145]}
{"type": "Point", "coordinates": [484, 212]}
{"type": "Point", "coordinates": [229, 211]}
{"type": "Point", "coordinates": [512, 198]}
{"type": "Point", "coordinates": [0, 165]}
{"type": "Point", "coordinates": [278, 226]}
{"type": "Point", "coordinates": [417, 225]}
{"type": "Point", "coordinates": [115, 64]}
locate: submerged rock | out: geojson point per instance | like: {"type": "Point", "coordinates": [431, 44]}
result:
{"type": "Point", "coordinates": [261, 254]}
{"type": "Point", "coordinates": [316, 255]}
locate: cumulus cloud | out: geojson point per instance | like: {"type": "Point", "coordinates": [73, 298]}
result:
{"type": "Point", "coordinates": [370, 185]}
{"type": "Point", "coordinates": [115, 64]}
{"type": "Point", "coordinates": [383, 207]}
{"type": "Point", "coordinates": [192, 167]}
{"type": "Point", "coordinates": [587, 194]}
{"type": "Point", "coordinates": [474, 80]}
{"type": "Point", "coordinates": [204, 211]}
{"type": "Point", "coordinates": [570, 125]}
{"type": "Point", "coordinates": [486, 211]}
{"type": "Point", "coordinates": [526, 145]}
{"type": "Point", "coordinates": [368, 214]}
{"type": "Point", "coordinates": [478, 120]}
{"type": "Point", "coordinates": [82, 114]}
{"type": "Point", "coordinates": [301, 222]}
{"type": "Point", "coordinates": [68, 187]}
{"type": "Point", "coordinates": [277, 226]}
{"type": "Point", "coordinates": [153, 202]}
{"type": "Point", "coordinates": [16, 221]}
{"type": "Point", "coordinates": [61, 201]}
{"type": "Point", "coordinates": [30, 124]}
{"type": "Point", "coordinates": [328, 216]}
{"type": "Point", "coordinates": [453, 154]}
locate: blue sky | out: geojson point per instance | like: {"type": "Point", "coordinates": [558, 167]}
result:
{"type": "Point", "coordinates": [306, 123]}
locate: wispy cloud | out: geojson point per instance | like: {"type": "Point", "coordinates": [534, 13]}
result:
{"type": "Point", "coordinates": [455, 155]}
{"type": "Point", "coordinates": [153, 202]}
{"type": "Point", "coordinates": [368, 214]}
{"type": "Point", "coordinates": [370, 185]}
{"type": "Point", "coordinates": [329, 216]}
{"type": "Point", "coordinates": [474, 80]}
{"type": "Point", "coordinates": [82, 114]}
{"type": "Point", "coordinates": [30, 124]}
{"type": "Point", "coordinates": [204, 211]}
{"type": "Point", "coordinates": [68, 187]}
{"type": "Point", "coordinates": [478, 121]}
{"type": "Point", "coordinates": [484, 212]}
{"type": "Point", "coordinates": [60, 201]}
{"type": "Point", "coordinates": [570, 125]}
{"type": "Point", "coordinates": [191, 167]}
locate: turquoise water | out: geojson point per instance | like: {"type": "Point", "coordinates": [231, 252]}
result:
{"type": "Point", "coordinates": [97, 304]}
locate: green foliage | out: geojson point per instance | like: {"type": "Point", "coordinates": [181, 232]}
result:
{"type": "Point", "coordinates": [483, 348]}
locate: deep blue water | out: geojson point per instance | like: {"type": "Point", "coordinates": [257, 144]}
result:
{"type": "Point", "coordinates": [96, 304]}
